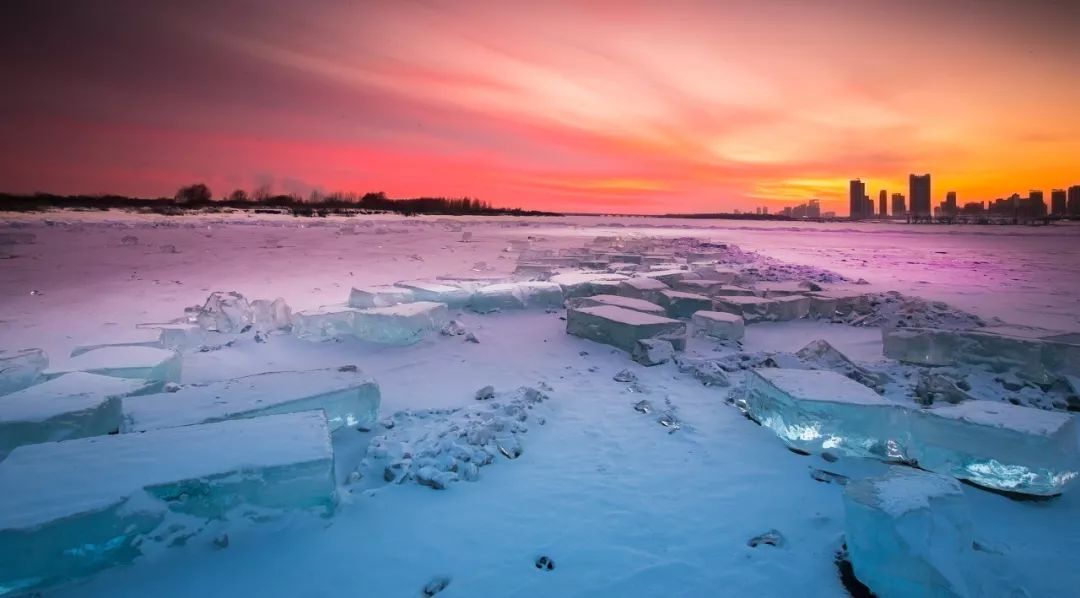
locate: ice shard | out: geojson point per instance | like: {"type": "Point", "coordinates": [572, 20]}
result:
{"type": "Point", "coordinates": [19, 369]}
{"type": "Point", "coordinates": [147, 363]}
{"type": "Point", "coordinates": [437, 292]}
{"type": "Point", "coordinates": [818, 410]}
{"type": "Point", "coordinates": [379, 296]}
{"type": "Point", "coordinates": [271, 315]}
{"type": "Point", "coordinates": [72, 508]}
{"type": "Point", "coordinates": [909, 534]}
{"type": "Point", "coordinates": [619, 301]}
{"type": "Point", "coordinates": [718, 324]}
{"type": "Point", "coordinates": [997, 445]}
{"type": "Point", "coordinates": [225, 312]}
{"type": "Point", "coordinates": [74, 405]}
{"type": "Point", "coordinates": [345, 395]}
{"type": "Point", "coordinates": [623, 328]}
{"type": "Point", "coordinates": [402, 324]}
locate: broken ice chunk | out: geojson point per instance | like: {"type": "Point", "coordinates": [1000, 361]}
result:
{"type": "Point", "coordinates": [815, 410]}
{"type": "Point", "coordinates": [402, 324]}
{"type": "Point", "coordinates": [731, 291]}
{"type": "Point", "coordinates": [147, 363]}
{"type": "Point", "coordinates": [788, 287]}
{"type": "Point", "coordinates": [683, 305]}
{"type": "Point", "coordinates": [642, 288]}
{"type": "Point", "coordinates": [135, 337]}
{"type": "Point", "coordinates": [72, 508]}
{"type": "Point", "coordinates": [619, 301]}
{"type": "Point", "coordinates": [827, 303]}
{"type": "Point", "coordinates": [74, 405]}
{"type": "Point", "coordinates": [752, 309]}
{"type": "Point", "coordinates": [346, 396]}
{"type": "Point", "coordinates": [622, 328]}
{"type": "Point", "coordinates": [790, 307]}
{"type": "Point", "coordinates": [379, 296]}
{"type": "Point", "coordinates": [271, 315]}
{"type": "Point", "coordinates": [324, 324]}
{"type": "Point", "coordinates": [516, 295]}
{"type": "Point", "coordinates": [669, 276]}
{"type": "Point", "coordinates": [224, 312]}
{"type": "Point", "coordinates": [583, 284]}
{"type": "Point", "coordinates": [19, 369]}
{"type": "Point", "coordinates": [909, 534]}
{"type": "Point", "coordinates": [437, 292]}
{"type": "Point", "coordinates": [997, 445]}
{"type": "Point", "coordinates": [702, 286]}
{"type": "Point", "coordinates": [650, 352]}
{"type": "Point", "coordinates": [718, 324]}
{"type": "Point", "coordinates": [724, 275]}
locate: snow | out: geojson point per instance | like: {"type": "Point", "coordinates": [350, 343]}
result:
{"type": "Point", "coordinates": [147, 363]}
{"type": "Point", "coordinates": [345, 395]}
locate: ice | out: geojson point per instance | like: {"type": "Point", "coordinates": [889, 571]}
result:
{"type": "Point", "coordinates": [1040, 359]}
{"type": "Point", "coordinates": [790, 307]}
{"type": "Point", "coordinates": [718, 324]}
{"type": "Point", "coordinates": [651, 351]}
{"type": "Point", "coordinates": [642, 288]}
{"type": "Point", "coordinates": [346, 396]}
{"type": "Point", "coordinates": [270, 315]}
{"type": "Point", "coordinates": [134, 337]}
{"type": "Point", "coordinates": [74, 405]}
{"type": "Point", "coordinates": [518, 295]}
{"type": "Point", "coordinates": [402, 324]}
{"type": "Point", "coordinates": [668, 276]}
{"type": "Point", "coordinates": [731, 291]}
{"type": "Point", "coordinates": [828, 303]}
{"type": "Point", "coordinates": [997, 445]}
{"type": "Point", "coordinates": [324, 324]}
{"type": "Point", "coordinates": [437, 292]}
{"type": "Point", "coordinates": [702, 286]}
{"type": "Point", "coordinates": [683, 305]}
{"type": "Point", "coordinates": [909, 534]}
{"type": "Point", "coordinates": [379, 296]}
{"type": "Point", "coordinates": [225, 312]}
{"type": "Point", "coordinates": [788, 287]}
{"type": "Point", "coordinates": [752, 309]}
{"type": "Point", "coordinates": [72, 508]}
{"type": "Point", "coordinates": [619, 301]}
{"type": "Point", "coordinates": [724, 275]}
{"type": "Point", "coordinates": [21, 368]}
{"type": "Point", "coordinates": [583, 284]}
{"type": "Point", "coordinates": [147, 363]}
{"type": "Point", "coordinates": [817, 410]}
{"type": "Point", "coordinates": [622, 328]}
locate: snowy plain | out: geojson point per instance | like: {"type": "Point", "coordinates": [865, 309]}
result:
{"type": "Point", "coordinates": [622, 506]}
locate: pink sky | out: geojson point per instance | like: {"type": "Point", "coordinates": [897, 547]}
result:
{"type": "Point", "coordinates": [584, 106]}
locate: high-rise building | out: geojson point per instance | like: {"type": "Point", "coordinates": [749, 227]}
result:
{"type": "Point", "coordinates": [1036, 204]}
{"type": "Point", "coordinates": [868, 206]}
{"type": "Point", "coordinates": [1058, 202]}
{"type": "Point", "coordinates": [948, 207]}
{"type": "Point", "coordinates": [882, 209]}
{"type": "Point", "coordinates": [857, 192]}
{"type": "Point", "coordinates": [919, 192]}
{"type": "Point", "coordinates": [899, 209]}
{"type": "Point", "coordinates": [1074, 200]}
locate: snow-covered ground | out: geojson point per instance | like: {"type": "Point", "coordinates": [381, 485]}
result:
{"type": "Point", "coordinates": [621, 504]}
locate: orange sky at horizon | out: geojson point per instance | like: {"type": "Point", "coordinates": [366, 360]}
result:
{"type": "Point", "coordinates": [582, 107]}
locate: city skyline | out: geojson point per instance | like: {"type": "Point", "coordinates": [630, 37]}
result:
{"type": "Point", "coordinates": [635, 108]}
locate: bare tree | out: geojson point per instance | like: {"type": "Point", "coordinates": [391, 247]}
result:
{"type": "Point", "coordinates": [197, 193]}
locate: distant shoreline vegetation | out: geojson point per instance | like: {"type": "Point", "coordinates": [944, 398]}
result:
{"type": "Point", "coordinates": [198, 198]}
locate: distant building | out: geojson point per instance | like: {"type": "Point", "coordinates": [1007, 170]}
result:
{"type": "Point", "coordinates": [919, 192]}
{"type": "Point", "coordinates": [948, 207]}
{"type": "Point", "coordinates": [813, 209]}
{"type": "Point", "coordinates": [829, 215]}
{"type": "Point", "coordinates": [1036, 206]}
{"type": "Point", "coordinates": [868, 206]}
{"type": "Point", "coordinates": [856, 195]}
{"type": "Point", "coordinates": [1058, 203]}
{"type": "Point", "coordinates": [1074, 200]}
{"type": "Point", "coordinates": [882, 209]}
{"type": "Point", "coordinates": [899, 208]}
{"type": "Point", "coordinates": [765, 210]}
{"type": "Point", "coordinates": [973, 208]}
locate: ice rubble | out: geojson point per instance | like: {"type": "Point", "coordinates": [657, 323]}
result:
{"type": "Point", "coordinates": [19, 369]}
{"type": "Point", "coordinates": [225, 312]}
{"type": "Point", "coordinates": [345, 395]}
{"type": "Point", "coordinates": [909, 534]}
{"type": "Point", "coordinates": [72, 508]}
{"type": "Point", "coordinates": [74, 405]}
{"type": "Point", "coordinates": [997, 445]}
{"type": "Point", "coordinates": [816, 410]}
{"type": "Point", "coordinates": [379, 296]}
{"type": "Point", "coordinates": [147, 363]}
{"type": "Point", "coordinates": [622, 328]}
{"type": "Point", "coordinates": [718, 324]}
{"type": "Point", "coordinates": [618, 301]}
{"type": "Point", "coordinates": [683, 305]}
{"type": "Point", "coordinates": [1041, 357]}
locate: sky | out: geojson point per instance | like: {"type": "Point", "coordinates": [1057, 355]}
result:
{"type": "Point", "coordinates": [601, 106]}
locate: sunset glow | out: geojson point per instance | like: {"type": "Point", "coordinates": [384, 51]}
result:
{"type": "Point", "coordinates": [584, 107]}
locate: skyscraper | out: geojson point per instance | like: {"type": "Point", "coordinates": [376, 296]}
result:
{"type": "Point", "coordinates": [882, 209]}
{"type": "Point", "coordinates": [1036, 204]}
{"type": "Point", "coordinates": [1074, 200]}
{"type": "Point", "coordinates": [1058, 203]}
{"type": "Point", "coordinates": [919, 192]}
{"type": "Point", "coordinates": [899, 208]}
{"type": "Point", "coordinates": [948, 209]}
{"type": "Point", "coordinates": [855, 199]}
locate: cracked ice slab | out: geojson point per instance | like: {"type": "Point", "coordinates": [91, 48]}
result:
{"type": "Point", "coordinates": [324, 323]}
{"type": "Point", "coordinates": [997, 445]}
{"type": "Point", "coordinates": [148, 363]}
{"type": "Point", "coordinates": [623, 328]}
{"type": "Point", "coordinates": [718, 324]}
{"type": "Point", "coordinates": [518, 295]}
{"type": "Point", "coordinates": [909, 534]}
{"type": "Point", "coordinates": [1039, 356]}
{"type": "Point", "coordinates": [752, 309]}
{"type": "Point", "coordinates": [19, 369]}
{"type": "Point", "coordinates": [683, 305]}
{"type": "Point", "coordinates": [402, 324]}
{"type": "Point", "coordinates": [348, 398]}
{"type": "Point", "coordinates": [379, 296]}
{"type": "Point", "coordinates": [436, 292]}
{"type": "Point", "coordinates": [642, 288]}
{"type": "Point", "coordinates": [816, 410]}
{"type": "Point", "coordinates": [583, 284]}
{"type": "Point", "coordinates": [74, 405]}
{"type": "Point", "coordinates": [72, 508]}
{"type": "Point", "coordinates": [619, 301]}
